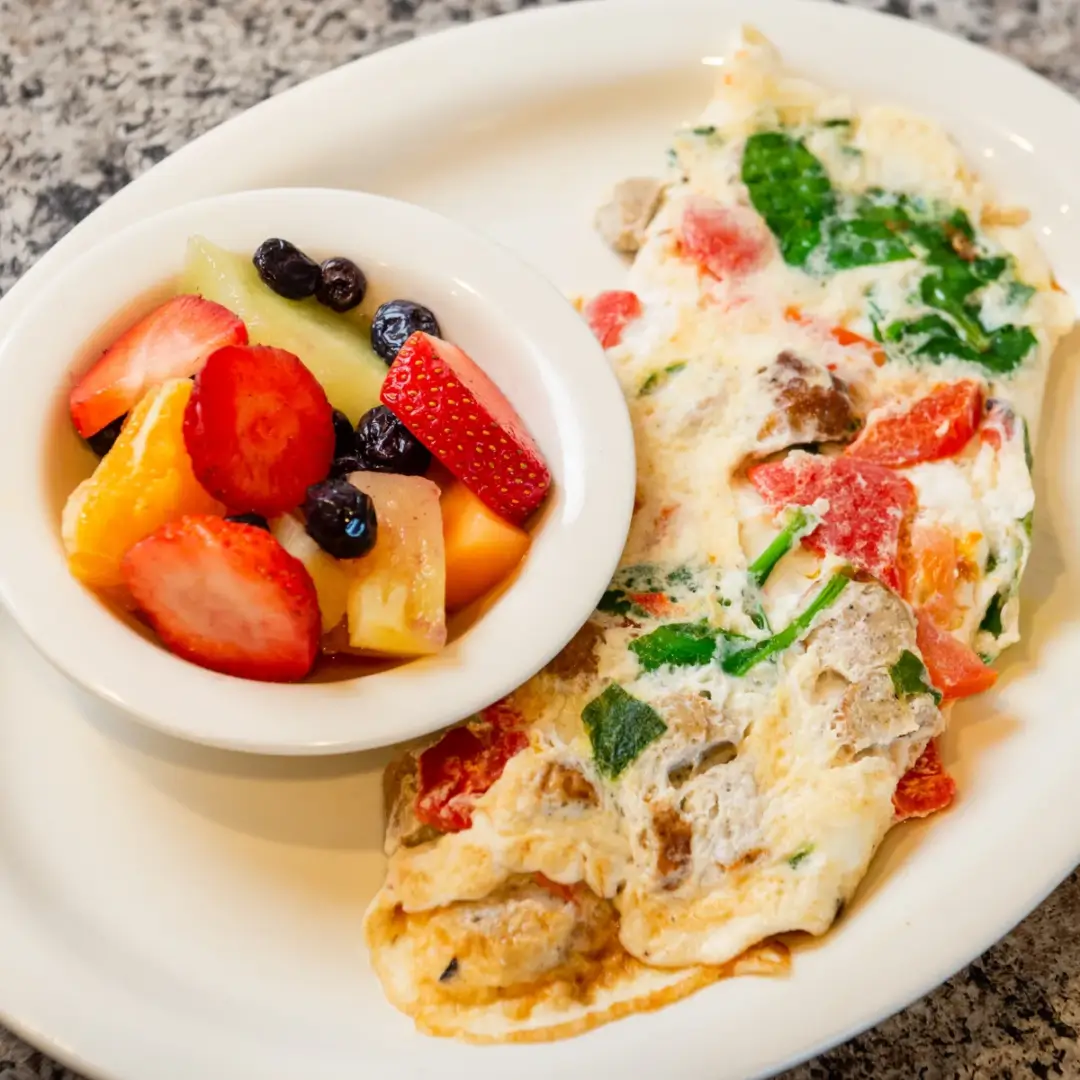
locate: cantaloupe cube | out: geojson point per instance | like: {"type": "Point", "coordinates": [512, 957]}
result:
{"type": "Point", "coordinates": [482, 548]}
{"type": "Point", "coordinates": [396, 604]}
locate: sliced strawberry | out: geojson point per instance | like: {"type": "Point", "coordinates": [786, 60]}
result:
{"type": "Point", "coordinates": [868, 513]}
{"type": "Point", "coordinates": [609, 313]}
{"type": "Point", "coordinates": [461, 416]}
{"type": "Point", "coordinates": [227, 597]}
{"type": "Point", "coordinates": [936, 426]}
{"type": "Point", "coordinates": [725, 241]}
{"type": "Point", "coordinates": [172, 342]}
{"type": "Point", "coordinates": [460, 767]}
{"type": "Point", "coordinates": [259, 429]}
{"type": "Point", "coordinates": [925, 788]}
{"type": "Point", "coordinates": [954, 669]}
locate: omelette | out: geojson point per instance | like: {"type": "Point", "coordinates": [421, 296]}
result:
{"type": "Point", "coordinates": [833, 343]}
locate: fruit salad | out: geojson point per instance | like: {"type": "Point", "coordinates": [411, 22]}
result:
{"type": "Point", "coordinates": [284, 477]}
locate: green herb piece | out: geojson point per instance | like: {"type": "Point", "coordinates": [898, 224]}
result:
{"type": "Point", "coordinates": [837, 122]}
{"type": "Point", "coordinates": [800, 855]}
{"type": "Point", "coordinates": [740, 662]}
{"type": "Point", "coordinates": [1017, 294]}
{"type": "Point", "coordinates": [1028, 521]}
{"type": "Point", "coordinates": [675, 645]}
{"type": "Point", "coordinates": [1029, 457]}
{"type": "Point", "coordinates": [681, 575]}
{"type": "Point", "coordinates": [991, 621]}
{"type": "Point", "coordinates": [619, 727]}
{"type": "Point", "coordinates": [706, 694]}
{"type": "Point", "coordinates": [704, 129]}
{"type": "Point", "coordinates": [659, 378]}
{"type": "Point", "coordinates": [909, 677]}
{"type": "Point", "coordinates": [614, 602]}
{"type": "Point", "coordinates": [800, 522]}
{"type": "Point", "coordinates": [789, 189]}
{"type": "Point", "coordinates": [991, 563]}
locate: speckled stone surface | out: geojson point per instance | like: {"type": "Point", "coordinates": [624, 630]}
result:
{"type": "Point", "coordinates": [93, 92]}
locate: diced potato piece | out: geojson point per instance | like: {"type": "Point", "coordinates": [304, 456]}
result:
{"type": "Point", "coordinates": [332, 578]}
{"type": "Point", "coordinates": [396, 601]}
{"type": "Point", "coordinates": [333, 347]}
{"type": "Point", "coordinates": [481, 548]}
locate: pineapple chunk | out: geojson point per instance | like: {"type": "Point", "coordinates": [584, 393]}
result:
{"type": "Point", "coordinates": [396, 604]}
{"type": "Point", "coordinates": [332, 347]}
{"type": "Point", "coordinates": [331, 578]}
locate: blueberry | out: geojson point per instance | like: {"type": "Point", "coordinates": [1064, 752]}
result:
{"type": "Point", "coordinates": [249, 519]}
{"type": "Point", "coordinates": [341, 284]}
{"type": "Point", "coordinates": [385, 444]}
{"type": "Point", "coordinates": [395, 321]}
{"type": "Point", "coordinates": [340, 519]}
{"type": "Point", "coordinates": [348, 463]}
{"type": "Point", "coordinates": [101, 442]}
{"type": "Point", "coordinates": [344, 435]}
{"type": "Point", "coordinates": [286, 269]}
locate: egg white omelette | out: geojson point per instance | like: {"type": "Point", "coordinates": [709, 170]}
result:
{"type": "Point", "coordinates": [834, 345]}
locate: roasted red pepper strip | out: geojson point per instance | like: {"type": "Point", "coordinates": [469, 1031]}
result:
{"type": "Point", "coordinates": [925, 788]}
{"type": "Point", "coordinates": [934, 427]}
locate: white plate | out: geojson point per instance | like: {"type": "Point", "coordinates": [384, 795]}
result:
{"type": "Point", "coordinates": [172, 912]}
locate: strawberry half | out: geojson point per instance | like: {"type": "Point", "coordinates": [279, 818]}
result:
{"type": "Point", "coordinates": [227, 597]}
{"type": "Point", "coordinates": [172, 342]}
{"type": "Point", "coordinates": [461, 416]}
{"type": "Point", "coordinates": [259, 429]}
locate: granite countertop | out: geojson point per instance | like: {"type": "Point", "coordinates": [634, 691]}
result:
{"type": "Point", "coordinates": [94, 92]}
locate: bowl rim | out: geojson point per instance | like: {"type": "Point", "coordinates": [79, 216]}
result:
{"type": "Point", "coordinates": [583, 532]}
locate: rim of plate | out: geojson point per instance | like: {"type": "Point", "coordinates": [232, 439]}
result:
{"type": "Point", "coordinates": [916, 961]}
{"type": "Point", "coordinates": [565, 386]}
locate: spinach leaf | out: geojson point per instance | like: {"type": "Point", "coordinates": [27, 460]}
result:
{"type": "Point", "coordinates": [789, 189]}
{"type": "Point", "coordinates": [677, 645]}
{"type": "Point", "coordinates": [991, 621]}
{"type": "Point", "coordinates": [619, 727]}
{"type": "Point", "coordinates": [741, 661]}
{"type": "Point", "coordinates": [614, 602]}
{"type": "Point", "coordinates": [909, 677]}
{"type": "Point", "coordinates": [863, 241]}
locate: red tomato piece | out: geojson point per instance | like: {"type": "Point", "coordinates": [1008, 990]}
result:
{"type": "Point", "coordinates": [725, 241]}
{"type": "Point", "coordinates": [461, 767]}
{"type": "Point", "coordinates": [954, 669]}
{"type": "Point", "coordinates": [999, 424]}
{"type": "Point", "coordinates": [655, 603]}
{"type": "Point", "coordinates": [925, 788]}
{"type": "Point", "coordinates": [932, 583]}
{"type": "Point", "coordinates": [609, 313]}
{"type": "Point", "coordinates": [936, 426]}
{"type": "Point", "coordinates": [869, 507]}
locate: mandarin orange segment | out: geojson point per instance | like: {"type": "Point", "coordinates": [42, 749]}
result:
{"type": "Point", "coordinates": [144, 482]}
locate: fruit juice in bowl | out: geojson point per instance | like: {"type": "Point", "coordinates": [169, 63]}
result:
{"type": "Point", "coordinates": [350, 471]}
